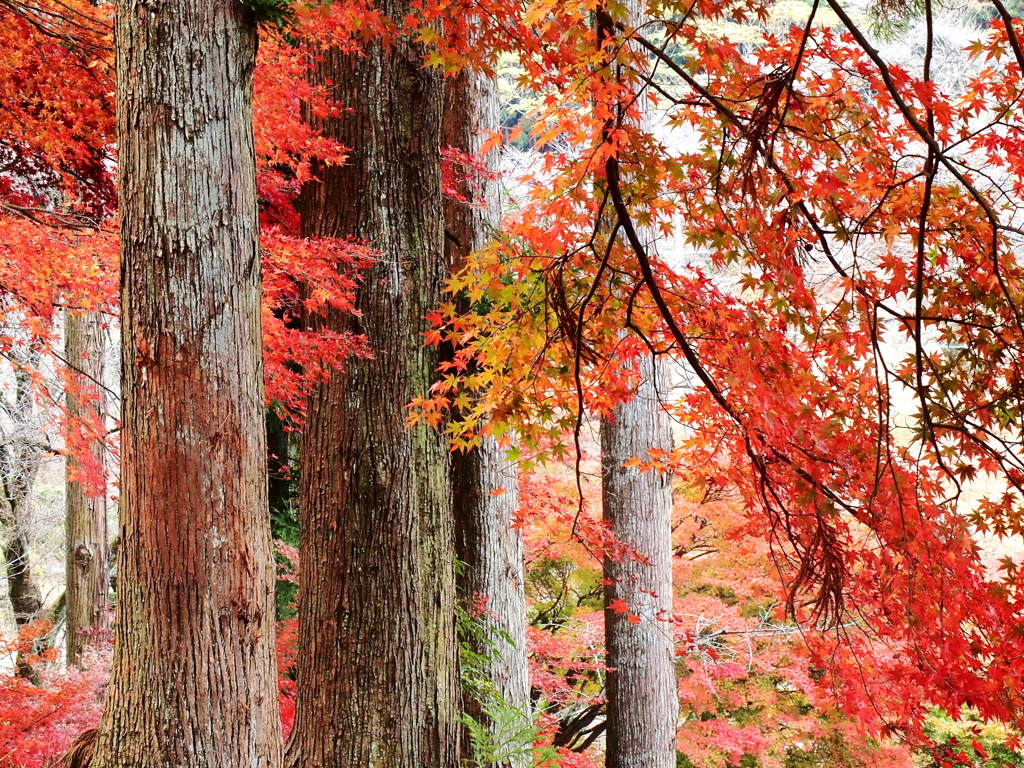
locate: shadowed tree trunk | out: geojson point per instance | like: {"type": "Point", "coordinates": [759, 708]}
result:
{"type": "Point", "coordinates": [87, 582]}
{"type": "Point", "coordinates": [377, 658]}
{"type": "Point", "coordinates": [643, 704]}
{"type": "Point", "coordinates": [194, 681]}
{"type": "Point", "coordinates": [485, 484]}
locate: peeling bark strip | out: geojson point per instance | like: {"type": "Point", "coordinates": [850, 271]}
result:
{"type": "Point", "coordinates": [86, 516]}
{"type": "Point", "coordinates": [194, 681]}
{"type": "Point", "coordinates": [643, 703]}
{"type": "Point", "coordinates": [485, 484]}
{"type": "Point", "coordinates": [377, 660]}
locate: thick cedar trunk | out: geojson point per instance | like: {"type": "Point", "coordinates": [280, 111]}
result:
{"type": "Point", "coordinates": [19, 465]}
{"type": "Point", "coordinates": [485, 484]}
{"type": "Point", "coordinates": [643, 703]}
{"type": "Point", "coordinates": [194, 680]}
{"type": "Point", "coordinates": [87, 583]}
{"type": "Point", "coordinates": [377, 658]}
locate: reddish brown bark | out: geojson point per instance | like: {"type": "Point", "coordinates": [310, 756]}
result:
{"type": "Point", "coordinates": [377, 660]}
{"type": "Point", "coordinates": [194, 681]}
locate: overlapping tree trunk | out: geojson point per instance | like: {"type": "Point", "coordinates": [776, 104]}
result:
{"type": "Point", "coordinates": [485, 483]}
{"type": "Point", "coordinates": [643, 705]}
{"type": "Point", "coordinates": [377, 659]}
{"type": "Point", "coordinates": [20, 455]}
{"type": "Point", "coordinates": [87, 582]}
{"type": "Point", "coordinates": [194, 683]}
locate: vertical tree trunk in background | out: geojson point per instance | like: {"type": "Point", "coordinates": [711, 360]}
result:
{"type": "Point", "coordinates": [87, 583]}
{"type": "Point", "coordinates": [643, 703]}
{"type": "Point", "coordinates": [279, 468]}
{"type": "Point", "coordinates": [377, 658]}
{"type": "Point", "coordinates": [194, 681]}
{"type": "Point", "coordinates": [485, 484]}
{"type": "Point", "coordinates": [643, 699]}
{"type": "Point", "coordinates": [20, 455]}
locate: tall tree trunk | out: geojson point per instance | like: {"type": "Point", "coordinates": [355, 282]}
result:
{"type": "Point", "coordinates": [377, 661]}
{"type": "Point", "coordinates": [643, 703]}
{"type": "Point", "coordinates": [485, 484]}
{"type": "Point", "coordinates": [194, 681]}
{"type": "Point", "coordinates": [87, 583]}
{"type": "Point", "coordinates": [20, 455]}
{"type": "Point", "coordinates": [643, 700]}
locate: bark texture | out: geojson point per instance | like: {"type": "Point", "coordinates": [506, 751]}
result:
{"type": "Point", "coordinates": [643, 703]}
{"type": "Point", "coordinates": [20, 454]}
{"type": "Point", "coordinates": [87, 581]}
{"type": "Point", "coordinates": [377, 661]}
{"type": "Point", "coordinates": [194, 681]}
{"type": "Point", "coordinates": [643, 700]}
{"type": "Point", "coordinates": [485, 484]}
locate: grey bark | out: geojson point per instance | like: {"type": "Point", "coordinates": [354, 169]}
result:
{"type": "Point", "coordinates": [485, 483]}
{"type": "Point", "coordinates": [377, 659]}
{"type": "Point", "coordinates": [643, 705]}
{"type": "Point", "coordinates": [194, 682]}
{"type": "Point", "coordinates": [493, 578]}
{"type": "Point", "coordinates": [643, 701]}
{"type": "Point", "coordinates": [87, 578]}
{"type": "Point", "coordinates": [20, 455]}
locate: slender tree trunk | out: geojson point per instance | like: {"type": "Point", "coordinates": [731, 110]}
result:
{"type": "Point", "coordinates": [643, 700]}
{"type": "Point", "coordinates": [19, 463]}
{"type": "Point", "coordinates": [279, 469]}
{"type": "Point", "coordinates": [194, 681]}
{"type": "Point", "coordinates": [643, 704]}
{"type": "Point", "coordinates": [377, 661]}
{"type": "Point", "coordinates": [485, 484]}
{"type": "Point", "coordinates": [87, 582]}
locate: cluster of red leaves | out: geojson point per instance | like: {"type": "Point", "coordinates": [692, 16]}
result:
{"type": "Point", "coordinates": [38, 722]}
{"type": "Point", "coordinates": [834, 276]}
{"type": "Point", "coordinates": [57, 198]}
{"type": "Point", "coordinates": [748, 685]}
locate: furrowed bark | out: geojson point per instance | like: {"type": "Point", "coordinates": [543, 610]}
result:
{"type": "Point", "coordinates": [485, 484]}
{"type": "Point", "coordinates": [643, 704]}
{"type": "Point", "coordinates": [377, 661]}
{"type": "Point", "coordinates": [194, 680]}
{"type": "Point", "coordinates": [87, 582]}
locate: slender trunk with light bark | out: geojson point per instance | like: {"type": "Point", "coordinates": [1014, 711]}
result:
{"type": "Point", "coordinates": [19, 464]}
{"type": "Point", "coordinates": [377, 657]}
{"type": "Point", "coordinates": [643, 704]}
{"type": "Point", "coordinates": [643, 701]}
{"type": "Point", "coordinates": [485, 483]}
{"type": "Point", "coordinates": [194, 682]}
{"type": "Point", "coordinates": [86, 583]}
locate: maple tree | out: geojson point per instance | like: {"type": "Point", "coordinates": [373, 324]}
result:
{"type": "Point", "coordinates": [748, 688]}
{"type": "Point", "coordinates": [861, 208]}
